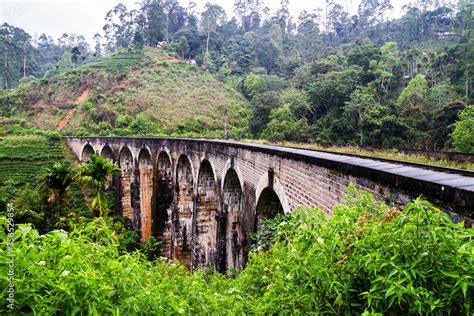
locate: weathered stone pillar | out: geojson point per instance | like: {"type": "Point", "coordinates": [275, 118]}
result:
{"type": "Point", "coordinates": [126, 181]}
{"type": "Point", "coordinates": [184, 208]}
{"type": "Point", "coordinates": [136, 198]}
{"type": "Point", "coordinates": [145, 176]}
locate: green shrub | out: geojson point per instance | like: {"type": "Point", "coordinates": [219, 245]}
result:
{"type": "Point", "coordinates": [151, 248]}
{"type": "Point", "coordinates": [53, 136]}
{"type": "Point", "coordinates": [283, 126]}
{"type": "Point", "coordinates": [90, 107]}
{"type": "Point", "coordinates": [265, 238]}
{"type": "Point", "coordinates": [463, 134]}
{"type": "Point", "coordinates": [366, 258]}
{"type": "Point", "coordinates": [251, 84]}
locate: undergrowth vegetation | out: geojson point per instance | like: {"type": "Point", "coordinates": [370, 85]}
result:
{"type": "Point", "coordinates": [367, 257]}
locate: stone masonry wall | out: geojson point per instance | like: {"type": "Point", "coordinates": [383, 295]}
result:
{"type": "Point", "coordinates": [208, 222]}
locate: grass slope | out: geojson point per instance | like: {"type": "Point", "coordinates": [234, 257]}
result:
{"type": "Point", "coordinates": [151, 93]}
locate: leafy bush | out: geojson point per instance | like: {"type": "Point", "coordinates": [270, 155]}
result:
{"type": "Point", "coordinates": [265, 238]}
{"type": "Point", "coordinates": [53, 136]}
{"type": "Point", "coordinates": [90, 107]}
{"type": "Point", "coordinates": [283, 126]}
{"type": "Point", "coordinates": [251, 84]}
{"type": "Point", "coordinates": [145, 124]}
{"type": "Point", "coordinates": [13, 100]}
{"type": "Point", "coordinates": [366, 258]}
{"type": "Point", "coordinates": [83, 271]}
{"type": "Point", "coordinates": [463, 134]}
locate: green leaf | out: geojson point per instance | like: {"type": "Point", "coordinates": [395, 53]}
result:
{"type": "Point", "coordinates": [464, 286]}
{"type": "Point", "coordinates": [452, 274]}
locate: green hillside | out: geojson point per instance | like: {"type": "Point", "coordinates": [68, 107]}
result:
{"type": "Point", "coordinates": [147, 93]}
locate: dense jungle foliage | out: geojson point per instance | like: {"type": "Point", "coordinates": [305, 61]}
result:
{"type": "Point", "coordinates": [362, 79]}
{"type": "Point", "coordinates": [367, 258]}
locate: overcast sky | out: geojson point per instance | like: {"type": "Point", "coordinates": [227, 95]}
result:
{"type": "Point", "coordinates": [86, 17]}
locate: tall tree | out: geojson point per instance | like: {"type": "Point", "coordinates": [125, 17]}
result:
{"type": "Point", "coordinates": [282, 16]}
{"type": "Point", "coordinates": [245, 9]}
{"type": "Point", "coordinates": [338, 19]}
{"type": "Point", "coordinates": [183, 47]}
{"type": "Point", "coordinates": [361, 102]}
{"type": "Point", "coordinates": [372, 12]}
{"type": "Point", "coordinates": [154, 22]}
{"type": "Point", "coordinates": [212, 17]}
{"type": "Point", "coordinates": [308, 45]}
{"type": "Point", "coordinates": [412, 103]}
{"type": "Point", "coordinates": [464, 27]}
{"type": "Point", "coordinates": [17, 54]}
{"type": "Point", "coordinates": [383, 68]}
{"type": "Point", "coordinates": [176, 17]}
{"type": "Point", "coordinates": [263, 104]}
{"type": "Point", "coordinates": [138, 40]}
{"type": "Point", "coordinates": [120, 27]}
{"type": "Point", "coordinates": [98, 45]}
{"type": "Point", "coordinates": [463, 134]}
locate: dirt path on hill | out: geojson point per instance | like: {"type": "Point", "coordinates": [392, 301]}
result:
{"type": "Point", "coordinates": [62, 124]}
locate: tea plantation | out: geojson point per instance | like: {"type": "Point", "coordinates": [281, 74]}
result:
{"type": "Point", "coordinates": [22, 156]}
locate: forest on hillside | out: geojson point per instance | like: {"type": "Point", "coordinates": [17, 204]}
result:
{"type": "Point", "coordinates": [328, 76]}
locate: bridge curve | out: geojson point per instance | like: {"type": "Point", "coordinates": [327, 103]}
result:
{"type": "Point", "coordinates": [202, 197]}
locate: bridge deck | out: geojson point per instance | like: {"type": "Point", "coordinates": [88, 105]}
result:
{"type": "Point", "coordinates": [451, 178]}
{"type": "Point", "coordinates": [460, 179]}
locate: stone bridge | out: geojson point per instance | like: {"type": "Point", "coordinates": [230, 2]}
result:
{"type": "Point", "coordinates": [202, 198]}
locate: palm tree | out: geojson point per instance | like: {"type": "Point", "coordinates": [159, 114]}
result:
{"type": "Point", "coordinates": [96, 173]}
{"type": "Point", "coordinates": [56, 179]}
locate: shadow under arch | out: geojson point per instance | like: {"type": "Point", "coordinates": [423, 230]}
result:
{"type": "Point", "coordinates": [162, 201]}
{"type": "Point", "coordinates": [107, 153]}
{"type": "Point", "coordinates": [231, 226]}
{"type": "Point", "coordinates": [268, 206]}
{"type": "Point", "coordinates": [205, 221]}
{"type": "Point", "coordinates": [87, 151]}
